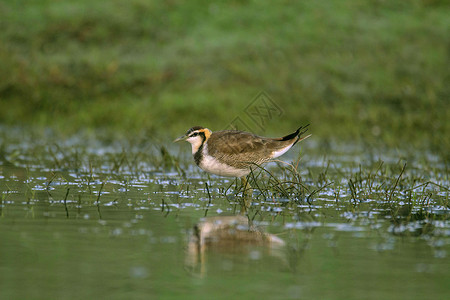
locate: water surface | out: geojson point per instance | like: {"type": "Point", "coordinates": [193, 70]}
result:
{"type": "Point", "coordinates": [89, 220]}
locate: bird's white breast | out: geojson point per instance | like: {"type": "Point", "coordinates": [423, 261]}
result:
{"type": "Point", "coordinates": [214, 166]}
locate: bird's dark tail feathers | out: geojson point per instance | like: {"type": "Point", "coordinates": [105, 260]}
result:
{"type": "Point", "coordinates": [298, 133]}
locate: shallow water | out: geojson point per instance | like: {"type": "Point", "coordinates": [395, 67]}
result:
{"type": "Point", "coordinates": [85, 220]}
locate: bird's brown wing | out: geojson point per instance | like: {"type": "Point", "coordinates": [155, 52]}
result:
{"type": "Point", "coordinates": [238, 148]}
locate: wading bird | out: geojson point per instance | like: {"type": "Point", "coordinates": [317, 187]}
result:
{"type": "Point", "coordinates": [233, 153]}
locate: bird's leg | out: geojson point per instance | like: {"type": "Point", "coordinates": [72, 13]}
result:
{"type": "Point", "coordinates": [247, 194]}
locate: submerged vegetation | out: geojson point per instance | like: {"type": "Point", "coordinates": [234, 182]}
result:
{"type": "Point", "coordinates": [124, 209]}
{"type": "Point", "coordinates": [138, 196]}
{"type": "Point", "coordinates": [310, 188]}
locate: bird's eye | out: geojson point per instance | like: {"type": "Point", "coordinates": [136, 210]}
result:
{"type": "Point", "coordinates": [194, 134]}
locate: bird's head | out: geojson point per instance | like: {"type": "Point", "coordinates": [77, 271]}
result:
{"type": "Point", "coordinates": [197, 135]}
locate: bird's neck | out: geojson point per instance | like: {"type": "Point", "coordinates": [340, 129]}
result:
{"type": "Point", "coordinates": [197, 149]}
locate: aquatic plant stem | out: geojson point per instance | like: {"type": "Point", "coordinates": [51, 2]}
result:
{"type": "Point", "coordinates": [98, 200]}
{"type": "Point", "coordinates": [396, 183]}
{"type": "Point", "coordinates": [65, 203]}
{"type": "Point", "coordinates": [209, 197]}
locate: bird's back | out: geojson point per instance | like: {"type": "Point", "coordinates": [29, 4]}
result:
{"type": "Point", "coordinates": [241, 149]}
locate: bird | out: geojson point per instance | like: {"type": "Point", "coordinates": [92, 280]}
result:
{"type": "Point", "coordinates": [233, 153]}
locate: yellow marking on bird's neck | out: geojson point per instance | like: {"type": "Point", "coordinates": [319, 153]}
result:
{"type": "Point", "coordinates": [207, 133]}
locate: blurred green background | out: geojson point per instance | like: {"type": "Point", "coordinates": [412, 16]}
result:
{"type": "Point", "coordinates": [373, 71]}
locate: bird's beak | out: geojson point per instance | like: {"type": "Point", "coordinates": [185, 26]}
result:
{"type": "Point", "coordinates": [181, 138]}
